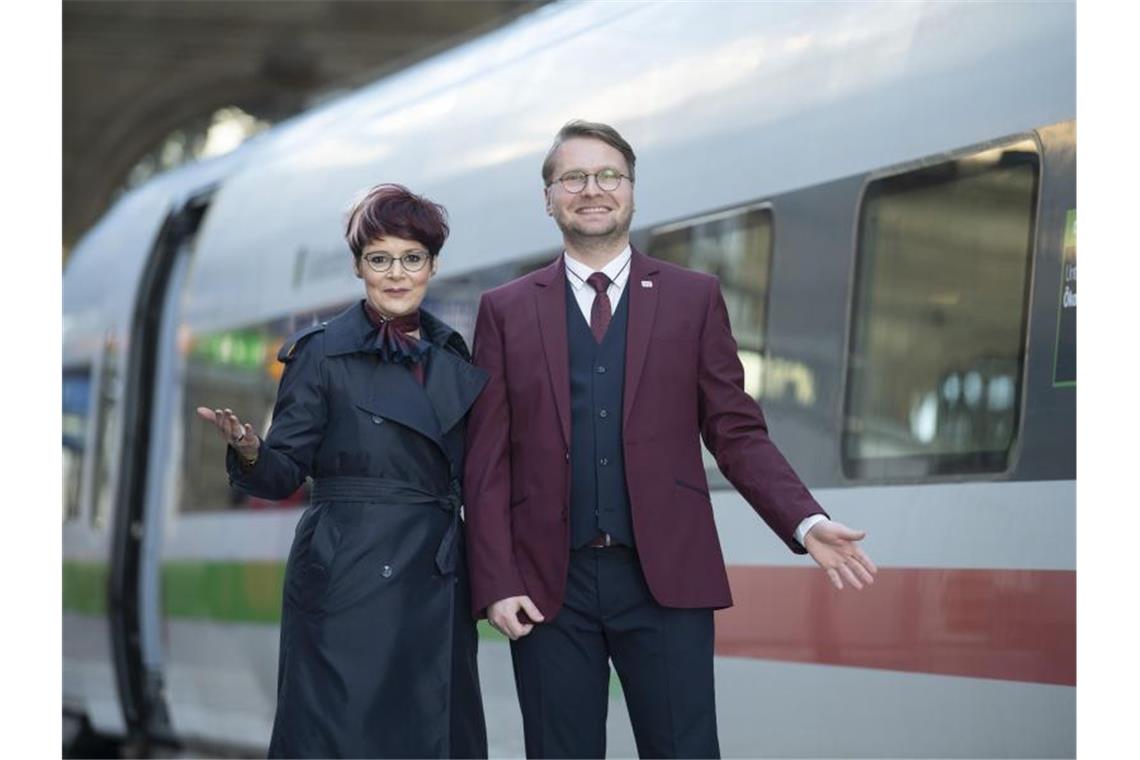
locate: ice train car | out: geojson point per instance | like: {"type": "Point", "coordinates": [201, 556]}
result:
{"type": "Point", "coordinates": [887, 194]}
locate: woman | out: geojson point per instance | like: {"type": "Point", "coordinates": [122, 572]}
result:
{"type": "Point", "coordinates": [378, 646]}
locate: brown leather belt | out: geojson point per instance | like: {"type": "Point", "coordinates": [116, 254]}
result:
{"type": "Point", "coordinates": [602, 541]}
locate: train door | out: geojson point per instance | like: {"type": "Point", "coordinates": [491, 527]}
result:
{"type": "Point", "coordinates": [146, 478]}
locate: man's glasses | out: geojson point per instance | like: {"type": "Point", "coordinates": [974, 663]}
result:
{"type": "Point", "coordinates": [382, 262]}
{"type": "Point", "coordinates": [607, 179]}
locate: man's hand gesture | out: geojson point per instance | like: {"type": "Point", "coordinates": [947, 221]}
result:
{"type": "Point", "coordinates": [833, 546]}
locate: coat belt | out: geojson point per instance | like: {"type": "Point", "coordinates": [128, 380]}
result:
{"type": "Point", "coordinates": [389, 490]}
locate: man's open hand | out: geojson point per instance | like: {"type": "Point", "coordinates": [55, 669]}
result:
{"type": "Point", "coordinates": [834, 547]}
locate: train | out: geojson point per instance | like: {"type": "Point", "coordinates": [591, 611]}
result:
{"type": "Point", "coordinates": [886, 192]}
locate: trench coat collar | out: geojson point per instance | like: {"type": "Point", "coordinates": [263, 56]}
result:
{"type": "Point", "coordinates": [451, 383]}
{"type": "Point", "coordinates": [350, 332]}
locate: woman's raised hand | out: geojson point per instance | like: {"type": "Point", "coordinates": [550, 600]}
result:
{"type": "Point", "coordinates": [238, 435]}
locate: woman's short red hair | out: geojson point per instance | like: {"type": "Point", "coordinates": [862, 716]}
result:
{"type": "Point", "coordinates": [391, 210]}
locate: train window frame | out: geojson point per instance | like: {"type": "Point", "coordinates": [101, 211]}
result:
{"type": "Point", "coordinates": [105, 473]}
{"type": "Point", "coordinates": [715, 478]}
{"type": "Point", "coordinates": [952, 467]}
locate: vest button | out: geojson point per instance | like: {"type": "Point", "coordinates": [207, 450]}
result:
{"type": "Point", "coordinates": [603, 461]}
{"type": "Point", "coordinates": [603, 414]}
{"type": "Point", "coordinates": [386, 571]}
{"type": "Point", "coordinates": [601, 370]}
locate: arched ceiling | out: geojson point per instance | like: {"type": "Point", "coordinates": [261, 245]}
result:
{"type": "Point", "coordinates": [136, 70]}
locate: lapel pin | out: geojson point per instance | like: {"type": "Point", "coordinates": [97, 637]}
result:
{"type": "Point", "coordinates": [647, 283]}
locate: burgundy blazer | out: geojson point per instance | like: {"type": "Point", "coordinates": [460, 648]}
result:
{"type": "Point", "coordinates": [683, 380]}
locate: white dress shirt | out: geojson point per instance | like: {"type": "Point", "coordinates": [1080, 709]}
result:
{"type": "Point", "coordinates": [577, 273]}
{"type": "Point", "coordinates": [618, 271]}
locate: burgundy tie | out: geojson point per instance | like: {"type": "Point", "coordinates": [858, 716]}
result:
{"type": "Point", "coordinates": [600, 312]}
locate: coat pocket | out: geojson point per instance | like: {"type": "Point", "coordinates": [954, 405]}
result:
{"type": "Point", "coordinates": [311, 561]}
{"type": "Point", "coordinates": [326, 537]}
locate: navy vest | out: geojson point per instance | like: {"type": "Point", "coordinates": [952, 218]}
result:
{"type": "Point", "coordinates": [598, 498]}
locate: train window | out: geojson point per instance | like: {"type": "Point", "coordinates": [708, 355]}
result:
{"type": "Point", "coordinates": [736, 246]}
{"type": "Point", "coordinates": [237, 369]}
{"type": "Point", "coordinates": [76, 417]}
{"type": "Point", "coordinates": [107, 435]}
{"type": "Point", "coordinates": [939, 315]}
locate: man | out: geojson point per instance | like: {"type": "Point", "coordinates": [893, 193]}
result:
{"type": "Point", "coordinates": [591, 533]}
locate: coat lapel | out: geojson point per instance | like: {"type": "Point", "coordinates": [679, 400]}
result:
{"type": "Point", "coordinates": [642, 309]}
{"type": "Point", "coordinates": [386, 390]}
{"type": "Point", "coordinates": [452, 386]}
{"type": "Point", "coordinates": [451, 383]}
{"type": "Point", "coordinates": [550, 301]}
{"type": "Point", "coordinates": [393, 393]}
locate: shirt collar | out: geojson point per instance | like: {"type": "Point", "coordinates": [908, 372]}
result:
{"type": "Point", "coordinates": [617, 270]}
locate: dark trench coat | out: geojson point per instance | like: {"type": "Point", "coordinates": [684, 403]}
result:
{"type": "Point", "coordinates": [378, 646]}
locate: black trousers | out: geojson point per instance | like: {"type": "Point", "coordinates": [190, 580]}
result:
{"type": "Point", "coordinates": [663, 656]}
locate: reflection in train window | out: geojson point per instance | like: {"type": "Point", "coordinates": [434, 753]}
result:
{"type": "Point", "coordinates": [76, 417]}
{"type": "Point", "coordinates": [106, 437]}
{"type": "Point", "coordinates": [937, 340]}
{"type": "Point", "coordinates": [235, 369]}
{"type": "Point", "coordinates": [736, 246]}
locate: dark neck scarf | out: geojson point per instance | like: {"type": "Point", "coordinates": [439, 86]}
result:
{"type": "Point", "coordinates": [393, 342]}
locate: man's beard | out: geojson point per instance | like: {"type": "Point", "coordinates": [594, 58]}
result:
{"type": "Point", "coordinates": [588, 238]}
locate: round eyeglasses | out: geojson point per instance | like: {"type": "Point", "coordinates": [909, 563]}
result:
{"type": "Point", "coordinates": [382, 262]}
{"type": "Point", "coordinates": [607, 179]}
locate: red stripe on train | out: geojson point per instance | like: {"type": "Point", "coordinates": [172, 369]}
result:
{"type": "Point", "coordinates": [1015, 625]}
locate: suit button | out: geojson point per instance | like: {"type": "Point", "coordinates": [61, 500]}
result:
{"type": "Point", "coordinates": [603, 461]}
{"type": "Point", "coordinates": [600, 370]}
{"type": "Point", "coordinates": [386, 571]}
{"type": "Point", "coordinates": [603, 414]}
{"type": "Point", "coordinates": [377, 419]}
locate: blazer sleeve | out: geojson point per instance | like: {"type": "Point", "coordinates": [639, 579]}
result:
{"type": "Point", "coordinates": [734, 430]}
{"type": "Point", "coordinates": [487, 474]}
{"type": "Point", "coordinates": [300, 414]}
